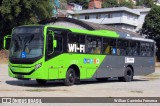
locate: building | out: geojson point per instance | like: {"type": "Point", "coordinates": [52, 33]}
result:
{"type": "Point", "coordinates": [158, 2]}
{"type": "Point", "coordinates": [120, 17]}
{"type": "Point", "coordinates": [73, 6]}
{"type": "Point", "coordinates": [95, 4]}
{"type": "Point", "coordinates": [141, 18]}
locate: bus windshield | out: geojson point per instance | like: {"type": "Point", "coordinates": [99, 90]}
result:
{"type": "Point", "coordinates": [26, 44]}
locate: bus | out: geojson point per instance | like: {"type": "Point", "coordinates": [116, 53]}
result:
{"type": "Point", "coordinates": [46, 53]}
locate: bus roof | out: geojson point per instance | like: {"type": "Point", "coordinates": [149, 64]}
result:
{"type": "Point", "coordinates": [105, 33]}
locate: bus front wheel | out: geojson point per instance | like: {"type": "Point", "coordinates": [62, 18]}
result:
{"type": "Point", "coordinates": [128, 75]}
{"type": "Point", "coordinates": [70, 77]}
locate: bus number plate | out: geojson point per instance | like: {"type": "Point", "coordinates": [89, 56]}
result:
{"type": "Point", "coordinates": [19, 76]}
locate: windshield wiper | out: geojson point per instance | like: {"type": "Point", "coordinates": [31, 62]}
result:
{"type": "Point", "coordinates": [28, 40]}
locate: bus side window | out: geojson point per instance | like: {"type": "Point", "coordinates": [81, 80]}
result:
{"type": "Point", "coordinates": [106, 46]}
{"type": "Point", "coordinates": [147, 49]}
{"type": "Point", "coordinates": [122, 47]}
{"type": "Point", "coordinates": [94, 45]}
{"type": "Point", "coordinates": [107, 50]}
{"type": "Point", "coordinates": [82, 39]}
{"type": "Point", "coordinates": [148, 52]}
{"type": "Point", "coordinates": [72, 40]}
{"type": "Point", "coordinates": [109, 46]}
{"type": "Point", "coordinates": [49, 44]}
{"type": "Point", "coordinates": [59, 43]}
{"type": "Point", "coordinates": [134, 49]}
{"type": "Point", "coordinates": [152, 48]}
{"type": "Point", "coordinates": [76, 43]}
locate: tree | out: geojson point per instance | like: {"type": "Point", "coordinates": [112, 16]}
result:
{"type": "Point", "coordinates": [128, 4]}
{"type": "Point", "coordinates": [151, 26]}
{"type": "Point", "coordinates": [146, 3]}
{"type": "Point", "coordinates": [139, 2]}
{"type": "Point", "coordinates": [109, 3]}
{"type": "Point", "coordinates": [114, 3]}
{"type": "Point", "coordinates": [21, 12]}
{"type": "Point", "coordinates": [63, 1]}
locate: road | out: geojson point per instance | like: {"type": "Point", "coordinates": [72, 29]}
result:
{"type": "Point", "coordinates": [142, 86]}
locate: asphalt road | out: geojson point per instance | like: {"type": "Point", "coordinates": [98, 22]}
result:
{"type": "Point", "coordinates": [142, 86]}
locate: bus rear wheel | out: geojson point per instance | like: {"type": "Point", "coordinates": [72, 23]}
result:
{"type": "Point", "coordinates": [41, 82]}
{"type": "Point", "coordinates": [70, 77]}
{"type": "Point", "coordinates": [128, 75]}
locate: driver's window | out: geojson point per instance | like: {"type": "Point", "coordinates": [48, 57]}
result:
{"type": "Point", "coordinates": [59, 43]}
{"type": "Point", "coordinates": [50, 47]}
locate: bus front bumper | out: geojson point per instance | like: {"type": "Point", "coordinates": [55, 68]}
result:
{"type": "Point", "coordinates": [33, 73]}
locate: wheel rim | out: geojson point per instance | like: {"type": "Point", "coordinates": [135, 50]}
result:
{"type": "Point", "coordinates": [129, 75]}
{"type": "Point", "coordinates": [71, 77]}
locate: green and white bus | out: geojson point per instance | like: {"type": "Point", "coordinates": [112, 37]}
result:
{"type": "Point", "coordinates": [46, 52]}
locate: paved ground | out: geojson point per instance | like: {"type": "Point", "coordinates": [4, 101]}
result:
{"type": "Point", "coordinates": [144, 86]}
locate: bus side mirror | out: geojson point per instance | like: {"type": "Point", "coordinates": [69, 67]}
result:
{"type": "Point", "coordinates": [6, 42]}
{"type": "Point", "coordinates": [55, 43]}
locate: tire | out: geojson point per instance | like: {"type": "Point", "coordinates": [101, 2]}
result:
{"type": "Point", "coordinates": [41, 82]}
{"type": "Point", "coordinates": [101, 79]}
{"type": "Point", "coordinates": [128, 75]}
{"type": "Point", "coordinates": [70, 77]}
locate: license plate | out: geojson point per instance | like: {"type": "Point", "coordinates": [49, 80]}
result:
{"type": "Point", "coordinates": [19, 76]}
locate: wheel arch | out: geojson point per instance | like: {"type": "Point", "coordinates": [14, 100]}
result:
{"type": "Point", "coordinates": [76, 69]}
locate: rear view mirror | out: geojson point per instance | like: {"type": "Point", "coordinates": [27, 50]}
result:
{"type": "Point", "coordinates": [6, 42]}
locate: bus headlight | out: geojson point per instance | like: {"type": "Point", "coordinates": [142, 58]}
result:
{"type": "Point", "coordinates": [38, 66]}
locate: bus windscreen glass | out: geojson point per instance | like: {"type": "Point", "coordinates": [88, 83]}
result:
{"type": "Point", "coordinates": [26, 43]}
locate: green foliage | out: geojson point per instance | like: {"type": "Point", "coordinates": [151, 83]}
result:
{"type": "Point", "coordinates": [21, 12]}
{"type": "Point", "coordinates": [151, 26]}
{"type": "Point", "coordinates": [63, 1]}
{"type": "Point", "coordinates": [139, 2]}
{"type": "Point", "coordinates": [109, 3]}
{"type": "Point", "coordinates": [114, 3]}
{"type": "Point", "coordinates": [126, 4]}
{"type": "Point", "coordinates": [146, 3]}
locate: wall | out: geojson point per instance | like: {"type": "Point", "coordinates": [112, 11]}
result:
{"type": "Point", "coordinates": [141, 20]}
{"type": "Point", "coordinates": [95, 4]}
{"type": "Point", "coordinates": [116, 19]}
